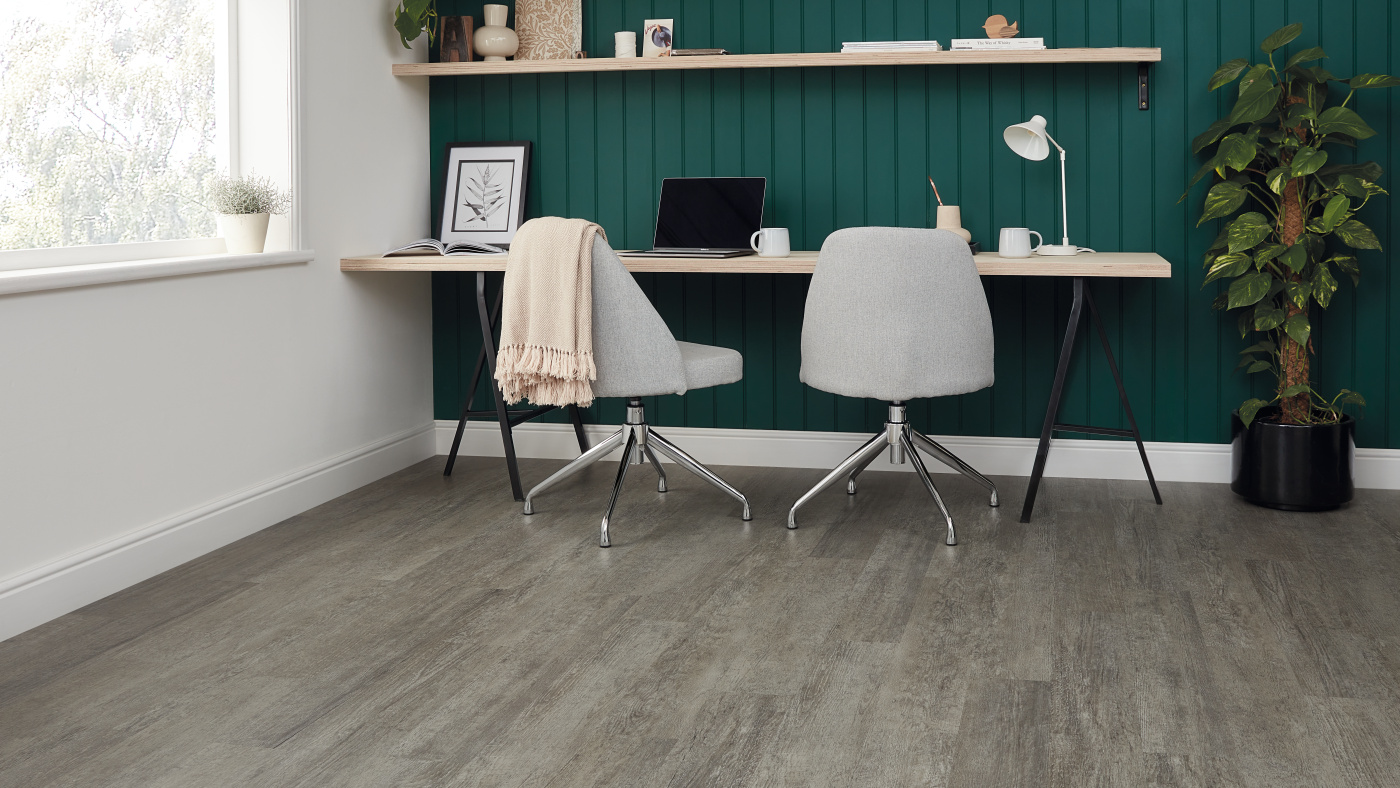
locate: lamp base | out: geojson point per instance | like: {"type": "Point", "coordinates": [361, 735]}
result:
{"type": "Point", "coordinates": [1057, 250]}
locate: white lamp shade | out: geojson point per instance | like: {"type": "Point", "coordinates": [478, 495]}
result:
{"type": "Point", "coordinates": [1029, 139]}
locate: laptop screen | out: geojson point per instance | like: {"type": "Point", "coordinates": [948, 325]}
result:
{"type": "Point", "coordinates": [709, 213]}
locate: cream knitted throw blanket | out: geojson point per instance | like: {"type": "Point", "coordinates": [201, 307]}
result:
{"type": "Point", "coordinates": [546, 353]}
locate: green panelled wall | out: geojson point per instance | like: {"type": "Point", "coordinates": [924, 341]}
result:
{"type": "Point", "coordinates": [853, 146]}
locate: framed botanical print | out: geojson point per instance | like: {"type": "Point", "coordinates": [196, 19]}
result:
{"type": "Point", "coordinates": [484, 199]}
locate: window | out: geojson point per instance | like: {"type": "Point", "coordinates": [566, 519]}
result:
{"type": "Point", "coordinates": [108, 121]}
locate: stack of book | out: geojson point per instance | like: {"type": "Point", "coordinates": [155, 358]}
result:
{"type": "Point", "coordinates": [891, 46]}
{"type": "Point", "coordinates": [996, 44]}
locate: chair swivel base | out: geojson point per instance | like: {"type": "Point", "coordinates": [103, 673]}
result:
{"type": "Point", "coordinates": [903, 441]}
{"type": "Point", "coordinates": [638, 443]}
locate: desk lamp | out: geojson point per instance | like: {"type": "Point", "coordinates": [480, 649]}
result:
{"type": "Point", "coordinates": [1030, 141]}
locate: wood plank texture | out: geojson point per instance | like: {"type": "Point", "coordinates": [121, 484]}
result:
{"type": "Point", "coordinates": [421, 632]}
{"type": "Point", "coordinates": [855, 145]}
{"type": "Point", "coordinates": [782, 60]}
{"type": "Point", "coordinates": [1121, 265]}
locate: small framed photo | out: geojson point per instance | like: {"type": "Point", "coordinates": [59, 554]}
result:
{"type": "Point", "coordinates": [658, 38]}
{"type": "Point", "coordinates": [484, 200]}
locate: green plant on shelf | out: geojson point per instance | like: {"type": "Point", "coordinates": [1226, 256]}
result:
{"type": "Point", "coordinates": [413, 17]}
{"type": "Point", "coordinates": [1292, 225]}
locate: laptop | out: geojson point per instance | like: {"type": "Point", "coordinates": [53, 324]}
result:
{"type": "Point", "coordinates": [707, 217]}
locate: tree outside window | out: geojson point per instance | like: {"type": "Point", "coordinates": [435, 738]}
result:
{"type": "Point", "coordinates": [107, 121]}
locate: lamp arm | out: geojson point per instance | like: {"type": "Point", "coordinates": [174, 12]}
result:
{"type": "Point", "coordinates": [1064, 202]}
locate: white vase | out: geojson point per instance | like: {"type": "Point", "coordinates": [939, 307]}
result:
{"type": "Point", "coordinates": [244, 233]}
{"type": "Point", "coordinates": [950, 218]}
{"type": "Point", "coordinates": [494, 40]}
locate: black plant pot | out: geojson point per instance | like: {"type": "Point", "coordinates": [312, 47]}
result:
{"type": "Point", "coordinates": [1300, 468]}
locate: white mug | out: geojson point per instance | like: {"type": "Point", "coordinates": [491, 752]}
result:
{"type": "Point", "coordinates": [772, 242]}
{"type": "Point", "coordinates": [1016, 242]}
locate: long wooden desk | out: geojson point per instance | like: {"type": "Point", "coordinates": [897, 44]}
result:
{"type": "Point", "coordinates": [1081, 268]}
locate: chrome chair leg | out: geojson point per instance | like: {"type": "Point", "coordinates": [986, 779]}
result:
{"type": "Point", "coordinates": [691, 464]}
{"type": "Point", "coordinates": [860, 458]}
{"type": "Point", "coordinates": [851, 481]}
{"type": "Point", "coordinates": [918, 463]}
{"type": "Point", "coordinates": [655, 463]}
{"type": "Point", "coordinates": [603, 540]}
{"type": "Point", "coordinates": [583, 461]}
{"type": "Point", "coordinates": [955, 462]}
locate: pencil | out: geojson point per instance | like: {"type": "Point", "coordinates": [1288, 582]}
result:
{"type": "Point", "coordinates": [935, 190]}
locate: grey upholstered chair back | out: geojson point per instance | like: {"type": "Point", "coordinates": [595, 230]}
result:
{"type": "Point", "coordinates": [633, 350]}
{"type": "Point", "coordinates": [896, 314]}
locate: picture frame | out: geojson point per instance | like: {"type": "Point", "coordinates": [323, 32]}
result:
{"type": "Point", "coordinates": [658, 37]}
{"type": "Point", "coordinates": [484, 191]}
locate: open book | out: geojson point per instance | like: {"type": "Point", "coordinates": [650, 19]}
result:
{"type": "Point", "coordinates": [458, 249]}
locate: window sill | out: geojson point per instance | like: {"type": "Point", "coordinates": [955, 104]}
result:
{"type": "Point", "coordinates": [59, 277]}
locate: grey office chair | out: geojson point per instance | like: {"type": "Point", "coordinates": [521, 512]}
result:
{"type": "Point", "coordinates": [896, 314]}
{"type": "Point", "coordinates": [636, 356]}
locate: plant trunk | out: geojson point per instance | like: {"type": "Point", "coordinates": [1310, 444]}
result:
{"type": "Point", "coordinates": [1295, 367]}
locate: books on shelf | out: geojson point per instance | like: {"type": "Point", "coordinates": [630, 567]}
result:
{"type": "Point", "coordinates": [891, 46]}
{"type": "Point", "coordinates": [965, 44]}
{"type": "Point", "coordinates": [458, 249]}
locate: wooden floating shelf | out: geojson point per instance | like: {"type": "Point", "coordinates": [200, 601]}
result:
{"type": "Point", "coordinates": [784, 60]}
{"type": "Point", "coordinates": [1134, 265]}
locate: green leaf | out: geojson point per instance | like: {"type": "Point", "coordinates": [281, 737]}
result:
{"type": "Point", "coordinates": [1210, 135]}
{"type": "Point", "coordinates": [1220, 303]}
{"type": "Point", "coordinates": [1343, 120]}
{"type": "Point", "coordinates": [1268, 252]}
{"type": "Point", "coordinates": [1224, 198]}
{"type": "Point", "coordinates": [1323, 285]}
{"type": "Point", "coordinates": [1258, 366]}
{"type": "Point", "coordinates": [1248, 231]}
{"type": "Point", "coordinates": [1268, 317]}
{"type": "Point", "coordinates": [1299, 293]}
{"type": "Point", "coordinates": [1205, 170]}
{"type": "Point", "coordinates": [1349, 397]}
{"type": "Point", "coordinates": [1299, 329]}
{"type": "Point", "coordinates": [1298, 114]}
{"type": "Point", "coordinates": [1306, 56]}
{"type": "Point", "coordinates": [1249, 289]}
{"type": "Point", "coordinates": [1277, 179]}
{"type": "Point", "coordinates": [1366, 171]}
{"type": "Point", "coordinates": [1222, 240]}
{"type": "Point", "coordinates": [1228, 73]}
{"type": "Point", "coordinates": [1335, 212]}
{"type": "Point", "coordinates": [1347, 264]}
{"type": "Point", "coordinates": [1357, 235]}
{"type": "Point", "coordinates": [1228, 265]}
{"type": "Point", "coordinates": [1256, 104]}
{"type": "Point", "coordinates": [1295, 390]}
{"type": "Point", "coordinates": [1307, 161]}
{"type": "Point", "coordinates": [1237, 151]}
{"type": "Point", "coordinates": [1295, 257]}
{"type": "Point", "coordinates": [1314, 244]}
{"type": "Point", "coordinates": [1281, 37]}
{"type": "Point", "coordinates": [1262, 346]}
{"type": "Point", "coordinates": [1250, 409]}
{"type": "Point", "coordinates": [1352, 186]}
{"type": "Point", "coordinates": [1315, 75]}
{"type": "Point", "coordinates": [1361, 81]}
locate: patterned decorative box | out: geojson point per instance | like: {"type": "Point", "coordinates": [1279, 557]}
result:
{"type": "Point", "coordinates": [549, 29]}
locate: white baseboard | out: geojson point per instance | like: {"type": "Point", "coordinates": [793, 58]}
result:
{"type": "Point", "coordinates": [45, 593]}
{"type": "Point", "coordinates": [1069, 458]}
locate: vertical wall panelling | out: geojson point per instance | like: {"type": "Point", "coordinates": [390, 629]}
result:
{"type": "Point", "coordinates": [853, 146]}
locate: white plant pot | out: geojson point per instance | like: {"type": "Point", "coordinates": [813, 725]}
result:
{"type": "Point", "coordinates": [244, 233]}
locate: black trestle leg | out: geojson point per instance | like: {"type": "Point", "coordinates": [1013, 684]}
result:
{"type": "Point", "coordinates": [1052, 411]}
{"type": "Point", "coordinates": [1122, 394]}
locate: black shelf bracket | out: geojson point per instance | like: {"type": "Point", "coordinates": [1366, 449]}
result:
{"type": "Point", "coordinates": [1142, 85]}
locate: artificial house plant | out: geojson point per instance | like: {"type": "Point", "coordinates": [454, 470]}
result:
{"type": "Point", "coordinates": [412, 17]}
{"type": "Point", "coordinates": [1291, 232]}
{"type": "Point", "coordinates": [243, 205]}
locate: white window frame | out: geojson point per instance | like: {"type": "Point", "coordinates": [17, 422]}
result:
{"type": "Point", "coordinates": [24, 270]}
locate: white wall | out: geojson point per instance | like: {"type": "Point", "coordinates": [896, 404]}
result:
{"type": "Point", "coordinates": [144, 423]}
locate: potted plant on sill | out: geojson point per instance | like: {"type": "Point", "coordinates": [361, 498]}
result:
{"type": "Point", "coordinates": [1291, 232]}
{"type": "Point", "coordinates": [413, 17]}
{"type": "Point", "coordinates": [243, 206]}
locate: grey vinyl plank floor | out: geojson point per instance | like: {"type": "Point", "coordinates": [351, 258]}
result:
{"type": "Point", "coordinates": [421, 632]}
